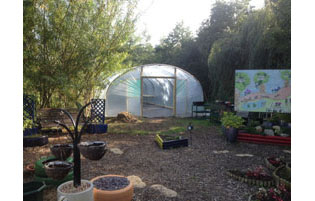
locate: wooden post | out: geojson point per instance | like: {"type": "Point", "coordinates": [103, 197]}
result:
{"type": "Point", "coordinates": [141, 92]}
{"type": "Point", "coordinates": [174, 94]}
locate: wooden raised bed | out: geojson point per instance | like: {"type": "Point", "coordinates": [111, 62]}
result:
{"type": "Point", "coordinates": [260, 139]}
{"type": "Point", "coordinates": [173, 143]}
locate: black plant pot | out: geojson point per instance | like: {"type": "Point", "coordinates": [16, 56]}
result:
{"type": "Point", "coordinates": [93, 150]}
{"type": "Point", "coordinates": [61, 151]}
{"type": "Point", "coordinates": [58, 169]}
{"type": "Point", "coordinates": [231, 134]}
{"type": "Point", "coordinates": [35, 141]}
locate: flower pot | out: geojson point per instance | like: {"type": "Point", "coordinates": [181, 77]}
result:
{"type": "Point", "coordinates": [39, 165]}
{"type": "Point", "coordinates": [123, 194]}
{"type": "Point", "coordinates": [93, 150]}
{"type": "Point", "coordinates": [231, 134]}
{"type": "Point", "coordinates": [33, 191]}
{"type": "Point", "coordinates": [84, 195]}
{"type": "Point", "coordinates": [96, 128]}
{"type": "Point", "coordinates": [30, 168]}
{"type": "Point", "coordinates": [57, 169]}
{"type": "Point", "coordinates": [61, 151]}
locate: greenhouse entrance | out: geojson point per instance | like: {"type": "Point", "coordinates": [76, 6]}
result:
{"type": "Point", "coordinates": [158, 101]}
{"type": "Point", "coordinates": [153, 90]}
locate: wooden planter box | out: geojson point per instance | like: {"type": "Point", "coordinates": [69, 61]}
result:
{"type": "Point", "coordinates": [260, 139]}
{"type": "Point", "coordinates": [166, 144]}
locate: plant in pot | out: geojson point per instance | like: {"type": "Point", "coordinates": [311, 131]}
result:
{"type": "Point", "coordinates": [84, 190]}
{"type": "Point", "coordinates": [78, 190]}
{"type": "Point", "coordinates": [231, 123]}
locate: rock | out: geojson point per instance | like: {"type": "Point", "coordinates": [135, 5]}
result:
{"type": "Point", "coordinates": [165, 191]}
{"type": "Point", "coordinates": [116, 151]}
{"type": "Point", "coordinates": [269, 132]}
{"type": "Point", "coordinates": [137, 182]}
{"type": "Point", "coordinates": [259, 128]}
{"type": "Point", "coordinates": [221, 152]}
{"type": "Point", "coordinates": [287, 151]}
{"type": "Point", "coordinates": [244, 155]}
{"type": "Point", "coordinates": [277, 128]}
{"type": "Point", "coordinates": [126, 117]}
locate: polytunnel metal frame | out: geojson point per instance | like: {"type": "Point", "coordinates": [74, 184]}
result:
{"type": "Point", "coordinates": [154, 77]}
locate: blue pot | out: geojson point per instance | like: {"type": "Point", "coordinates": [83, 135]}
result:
{"type": "Point", "coordinates": [96, 128]}
{"type": "Point", "coordinates": [30, 131]}
{"type": "Point", "coordinates": [231, 134]}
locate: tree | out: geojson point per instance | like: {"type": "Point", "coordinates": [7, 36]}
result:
{"type": "Point", "coordinates": [69, 46]}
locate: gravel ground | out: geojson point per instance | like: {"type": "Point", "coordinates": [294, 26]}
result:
{"type": "Point", "coordinates": [196, 173]}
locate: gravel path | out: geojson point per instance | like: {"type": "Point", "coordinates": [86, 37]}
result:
{"type": "Point", "coordinates": [196, 173]}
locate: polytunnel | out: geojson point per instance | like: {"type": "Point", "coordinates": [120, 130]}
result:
{"type": "Point", "coordinates": [153, 90]}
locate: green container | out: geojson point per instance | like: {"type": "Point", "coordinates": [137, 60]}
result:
{"type": "Point", "coordinates": [33, 191]}
{"type": "Point", "coordinates": [51, 182]}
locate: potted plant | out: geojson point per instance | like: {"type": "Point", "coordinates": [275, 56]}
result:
{"type": "Point", "coordinates": [232, 123]}
{"type": "Point", "coordinates": [112, 188]}
{"type": "Point", "coordinates": [78, 190]}
{"type": "Point", "coordinates": [61, 151]}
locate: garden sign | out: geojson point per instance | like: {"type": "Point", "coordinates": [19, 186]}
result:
{"type": "Point", "coordinates": [263, 91]}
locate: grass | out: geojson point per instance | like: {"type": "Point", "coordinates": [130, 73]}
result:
{"type": "Point", "coordinates": [170, 126]}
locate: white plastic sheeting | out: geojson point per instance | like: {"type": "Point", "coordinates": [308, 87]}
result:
{"type": "Point", "coordinates": [124, 92]}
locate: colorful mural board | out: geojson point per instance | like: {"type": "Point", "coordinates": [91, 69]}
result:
{"type": "Point", "coordinates": [263, 91]}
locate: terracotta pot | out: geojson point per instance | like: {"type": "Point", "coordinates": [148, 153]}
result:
{"type": "Point", "coordinates": [30, 168]}
{"type": "Point", "coordinates": [93, 150]}
{"type": "Point", "coordinates": [124, 194]}
{"type": "Point", "coordinates": [61, 151]}
{"type": "Point", "coordinates": [57, 169]}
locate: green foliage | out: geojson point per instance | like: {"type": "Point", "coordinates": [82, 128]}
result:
{"type": "Point", "coordinates": [70, 47]}
{"type": "Point", "coordinates": [27, 122]}
{"type": "Point", "coordinates": [231, 120]}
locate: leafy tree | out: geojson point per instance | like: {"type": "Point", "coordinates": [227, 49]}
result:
{"type": "Point", "coordinates": [69, 46]}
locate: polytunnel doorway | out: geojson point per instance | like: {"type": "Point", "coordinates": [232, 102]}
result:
{"type": "Point", "coordinates": [153, 90]}
{"type": "Point", "coordinates": [158, 97]}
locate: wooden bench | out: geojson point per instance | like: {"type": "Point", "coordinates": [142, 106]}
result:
{"type": "Point", "coordinates": [47, 116]}
{"type": "Point", "coordinates": [200, 108]}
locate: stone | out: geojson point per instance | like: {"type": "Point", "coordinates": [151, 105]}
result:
{"type": "Point", "coordinates": [287, 151]}
{"type": "Point", "coordinates": [137, 181]}
{"type": "Point", "coordinates": [277, 128]}
{"type": "Point", "coordinates": [116, 151]}
{"type": "Point", "coordinates": [259, 128]}
{"type": "Point", "coordinates": [269, 132]}
{"type": "Point", "coordinates": [221, 152]}
{"type": "Point", "coordinates": [165, 191]}
{"type": "Point", "coordinates": [244, 155]}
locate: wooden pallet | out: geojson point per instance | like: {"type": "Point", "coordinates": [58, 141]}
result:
{"type": "Point", "coordinates": [260, 139]}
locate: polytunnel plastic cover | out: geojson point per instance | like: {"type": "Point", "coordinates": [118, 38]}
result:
{"type": "Point", "coordinates": [166, 91]}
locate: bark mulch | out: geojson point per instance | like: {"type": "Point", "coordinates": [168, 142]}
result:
{"type": "Point", "coordinates": [196, 173]}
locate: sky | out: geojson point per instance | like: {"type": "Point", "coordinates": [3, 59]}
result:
{"type": "Point", "coordinates": [159, 17]}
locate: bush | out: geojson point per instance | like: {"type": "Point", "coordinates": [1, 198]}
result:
{"type": "Point", "coordinates": [231, 120]}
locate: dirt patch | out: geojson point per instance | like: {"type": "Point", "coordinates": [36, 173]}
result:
{"type": "Point", "coordinates": [195, 172]}
{"type": "Point", "coordinates": [126, 117]}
